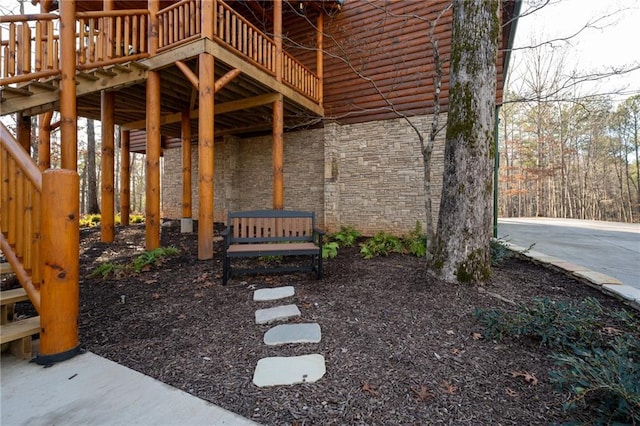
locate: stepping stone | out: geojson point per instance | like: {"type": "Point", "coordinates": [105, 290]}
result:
{"type": "Point", "coordinates": [293, 333]}
{"type": "Point", "coordinates": [272, 293]}
{"type": "Point", "coordinates": [276, 371]}
{"type": "Point", "coordinates": [265, 316]}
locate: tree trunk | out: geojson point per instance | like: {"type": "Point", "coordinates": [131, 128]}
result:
{"type": "Point", "coordinates": [92, 191]}
{"type": "Point", "coordinates": [465, 220]}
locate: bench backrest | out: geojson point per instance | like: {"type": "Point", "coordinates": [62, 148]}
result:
{"type": "Point", "coordinates": [262, 226]}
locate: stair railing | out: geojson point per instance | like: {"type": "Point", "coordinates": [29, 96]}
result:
{"type": "Point", "coordinates": [39, 224]}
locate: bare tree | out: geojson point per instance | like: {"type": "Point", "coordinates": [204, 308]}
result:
{"type": "Point", "coordinates": [92, 191]}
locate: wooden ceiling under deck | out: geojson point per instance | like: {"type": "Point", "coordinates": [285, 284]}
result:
{"type": "Point", "coordinates": [237, 117]}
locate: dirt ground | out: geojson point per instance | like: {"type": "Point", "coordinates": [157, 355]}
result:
{"type": "Point", "coordinates": [400, 346]}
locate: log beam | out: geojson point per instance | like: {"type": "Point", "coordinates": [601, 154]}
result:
{"type": "Point", "coordinates": [44, 140]}
{"type": "Point", "coordinates": [68, 115]}
{"type": "Point", "coordinates": [190, 75]}
{"type": "Point", "coordinates": [278, 155]}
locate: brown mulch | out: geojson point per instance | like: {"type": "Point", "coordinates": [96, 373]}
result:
{"type": "Point", "coordinates": [400, 346]}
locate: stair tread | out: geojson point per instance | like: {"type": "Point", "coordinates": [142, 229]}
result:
{"type": "Point", "coordinates": [15, 91]}
{"type": "Point", "coordinates": [19, 329]}
{"type": "Point", "coordinates": [12, 296]}
{"type": "Point", "coordinates": [43, 86]}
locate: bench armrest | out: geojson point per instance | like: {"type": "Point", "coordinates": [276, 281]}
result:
{"type": "Point", "coordinates": [318, 235]}
{"type": "Point", "coordinates": [226, 238]}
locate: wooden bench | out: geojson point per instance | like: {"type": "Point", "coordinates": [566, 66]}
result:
{"type": "Point", "coordinates": [272, 233]}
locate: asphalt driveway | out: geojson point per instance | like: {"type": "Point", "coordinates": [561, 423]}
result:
{"type": "Point", "coordinates": [611, 248]}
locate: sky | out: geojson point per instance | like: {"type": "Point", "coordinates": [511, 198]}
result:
{"type": "Point", "coordinates": [614, 43]}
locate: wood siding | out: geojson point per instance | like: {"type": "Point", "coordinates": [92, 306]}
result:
{"type": "Point", "coordinates": [379, 61]}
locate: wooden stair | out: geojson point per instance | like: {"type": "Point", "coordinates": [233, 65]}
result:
{"type": "Point", "coordinates": [16, 335]}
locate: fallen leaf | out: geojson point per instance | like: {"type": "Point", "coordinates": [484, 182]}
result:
{"type": "Point", "coordinates": [510, 392]}
{"type": "Point", "coordinates": [423, 393]}
{"type": "Point", "coordinates": [448, 388]}
{"type": "Point", "coordinates": [370, 389]}
{"type": "Point", "coordinates": [456, 352]}
{"type": "Point", "coordinates": [450, 332]}
{"type": "Point", "coordinates": [528, 377]}
{"type": "Point", "coordinates": [151, 281]}
{"type": "Point", "coordinates": [611, 331]}
{"type": "Point", "coordinates": [155, 296]}
{"type": "Point", "coordinates": [307, 305]}
{"type": "Point", "coordinates": [476, 336]}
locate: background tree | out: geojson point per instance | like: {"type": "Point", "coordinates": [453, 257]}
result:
{"type": "Point", "coordinates": [92, 192]}
{"type": "Point", "coordinates": [464, 223]}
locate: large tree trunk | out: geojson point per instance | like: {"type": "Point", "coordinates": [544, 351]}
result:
{"type": "Point", "coordinates": [92, 192]}
{"type": "Point", "coordinates": [465, 220]}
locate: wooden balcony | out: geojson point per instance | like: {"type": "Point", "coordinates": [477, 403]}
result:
{"type": "Point", "coordinates": [112, 53]}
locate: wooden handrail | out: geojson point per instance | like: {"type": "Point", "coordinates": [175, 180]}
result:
{"type": "Point", "coordinates": [24, 18]}
{"type": "Point", "coordinates": [112, 13]}
{"type": "Point", "coordinates": [22, 159]}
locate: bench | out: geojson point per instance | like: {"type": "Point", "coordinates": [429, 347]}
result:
{"type": "Point", "coordinates": [272, 233]}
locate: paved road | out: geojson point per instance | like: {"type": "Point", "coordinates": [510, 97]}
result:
{"type": "Point", "coordinates": [608, 247]}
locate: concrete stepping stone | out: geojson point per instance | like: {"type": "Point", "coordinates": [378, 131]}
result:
{"type": "Point", "coordinates": [293, 333]}
{"type": "Point", "coordinates": [277, 371]}
{"type": "Point", "coordinates": [265, 316]}
{"type": "Point", "coordinates": [276, 293]}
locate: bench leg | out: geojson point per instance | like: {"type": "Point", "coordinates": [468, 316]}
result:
{"type": "Point", "coordinates": [319, 268]}
{"type": "Point", "coordinates": [226, 270]}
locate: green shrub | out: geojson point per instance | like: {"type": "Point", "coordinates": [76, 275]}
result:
{"type": "Point", "coordinates": [601, 372]}
{"type": "Point", "coordinates": [604, 380]}
{"type": "Point", "coordinates": [346, 237]}
{"type": "Point", "coordinates": [556, 324]}
{"type": "Point", "coordinates": [415, 242]}
{"type": "Point", "coordinates": [380, 245]}
{"type": "Point", "coordinates": [151, 258]}
{"type": "Point", "coordinates": [106, 269]}
{"type": "Point", "coordinates": [89, 220]}
{"type": "Point", "coordinates": [330, 250]}
{"type": "Point", "coordinates": [499, 251]}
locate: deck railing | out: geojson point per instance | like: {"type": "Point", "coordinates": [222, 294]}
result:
{"type": "Point", "coordinates": [31, 50]}
{"type": "Point", "coordinates": [39, 236]}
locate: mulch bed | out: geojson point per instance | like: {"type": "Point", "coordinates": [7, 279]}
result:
{"type": "Point", "coordinates": [401, 347]}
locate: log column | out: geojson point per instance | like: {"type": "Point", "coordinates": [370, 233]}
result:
{"type": "Point", "coordinates": [68, 115]}
{"type": "Point", "coordinates": [23, 131]}
{"type": "Point", "coordinates": [186, 223]}
{"type": "Point", "coordinates": [320, 57]}
{"type": "Point", "coordinates": [107, 180]}
{"type": "Point", "coordinates": [44, 140]}
{"type": "Point", "coordinates": [278, 115]}
{"type": "Point", "coordinates": [152, 214]}
{"type": "Point", "coordinates": [206, 90]}
{"type": "Point", "coordinates": [125, 178]}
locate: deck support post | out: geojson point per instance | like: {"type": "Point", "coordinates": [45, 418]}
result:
{"type": "Point", "coordinates": [59, 291]}
{"type": "Point", "coordinates": [205, 156]}
{"type": "Point", "coordinates": [278, 154]}
{"type": "Point", "coordinates": [107, 179]}
{"type": "Point", "coordinates": [320, 56]}
{"type": "Point", "coordinates": [23, 131]}
{"type": "Point", "coordinates": [44, 140]}
{"type": "Point", "coordinates": [186, 223]}
{"type": "Point", "coordinates": [68, 114]}
{"type": "Point", "coordinates": [125, 178]}
{"type": "Point", "coordinates": [152, 214]}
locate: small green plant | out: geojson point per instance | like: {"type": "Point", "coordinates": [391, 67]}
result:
{"type": "Point", "coordinates": [380, 245]}
{"type": "Point", "coordinates": [136, 218]}
{"type": "Point", "coordinates": [106, 269]}
{"type": "Point", "coordinates": [415, 242]}
{"type": "Point", "coordinates": [346, 237]}
{"type": "Point", "coordinates": [151, 258]}
{"type": "Point", "coordinates": [330, 250]}
{"type": "Point", "coordinates": [603, 380]}
{"type": "Point", "coordinates": [499, 251]}
{"type": "Point", "coordinates": [89, 220]}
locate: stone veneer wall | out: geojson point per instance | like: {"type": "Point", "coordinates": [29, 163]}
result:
{"type": "Point", "coordinates": [366, 175]}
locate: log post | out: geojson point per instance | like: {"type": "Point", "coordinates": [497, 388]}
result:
{"type": "Point", "coordinates": [59, 292]}
{"type": "Point", "coordinates": [152, 219]}
{"type": "Point", "coordinates": [205, 156]}
{"type": "Point", "coordinates": [23, 131]}
{"type": "Point", "coordinates": [277, 36]}
{"type": "Point", "coordinates": [320, 57]}
{"type": "Point", "coordinates": [107, 180]}
{"type": "Point", "coordinates": [186, 223]}
{"type": "Point", "coordinates": [44, 140]}
{"type": "Point", "coordinates": [125, 178]}
{"type": "Point", "coordinates": [278, 154]}
{"type": "Point", "coordinates": [68, 115]}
